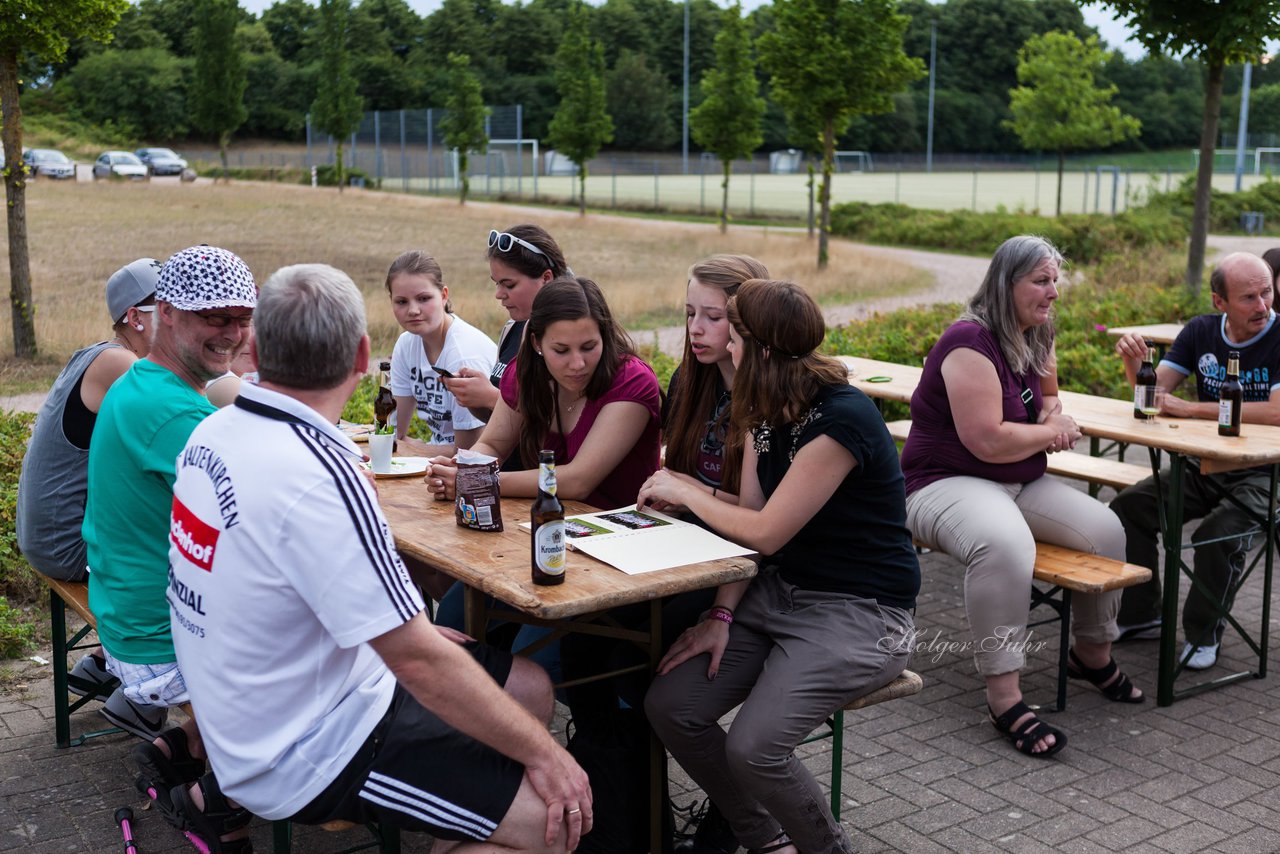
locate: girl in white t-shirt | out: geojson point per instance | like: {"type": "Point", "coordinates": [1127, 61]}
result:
{"type": "Point", "coordinates": [434, 338]}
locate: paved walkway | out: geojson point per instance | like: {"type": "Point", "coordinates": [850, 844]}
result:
{"type": "Point", "coordinates": [923, 774]}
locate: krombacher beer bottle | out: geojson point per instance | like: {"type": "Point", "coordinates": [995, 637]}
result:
{"type": "Point", "coordinates": [547, 518]}
{"type": "Point", "coordinates": [385, 403]}
{"type": "Point", "coordinates": [1144, 387]}
{"type": "Point", "coordinates": [1230, 398]}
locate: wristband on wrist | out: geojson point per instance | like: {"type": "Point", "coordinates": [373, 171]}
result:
{"type": "Point", "coordinates": [714, 490]}
{"type": "Point", "coordinates": [720, 613]}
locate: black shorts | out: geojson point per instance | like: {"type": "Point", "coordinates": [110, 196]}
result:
{"type": "Point", "coordinates": [418, 773]}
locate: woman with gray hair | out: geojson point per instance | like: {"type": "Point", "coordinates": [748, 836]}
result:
{"type": "Point", "coordinates": [984, 417]}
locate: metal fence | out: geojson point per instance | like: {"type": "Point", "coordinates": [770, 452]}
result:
{"type": "Point", "coordinates": [404, 150]}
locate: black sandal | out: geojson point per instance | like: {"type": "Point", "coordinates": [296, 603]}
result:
{"type": "Point", "coordinates": [1024, 738]}
{"type": "Point", "coordinates": [160, 773]}
{"type": "Point", "coordinates": [217, 819]}
{"type": "Point", "coordinates": [1120, 690]}
{"type": "Point", "coordinates": [776, 845]}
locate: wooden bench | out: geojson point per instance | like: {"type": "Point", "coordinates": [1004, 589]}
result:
{"type": "Point", "coordinates": [76, 595]}
{"type": "Point", "coordinates": [1096, 470]}
{"type": "Point", "coordinates": [907, 684]}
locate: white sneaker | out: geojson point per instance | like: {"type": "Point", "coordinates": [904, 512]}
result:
{"type": "Point", "coordinates": [145, 722]}
{"type": "Point", "coordinates": [90, 676]}
{"type": "Point", "coordinates": [1202, 658]}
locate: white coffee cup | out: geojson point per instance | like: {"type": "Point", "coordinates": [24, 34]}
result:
{"type": "Point", "coordinates": [380, 452]}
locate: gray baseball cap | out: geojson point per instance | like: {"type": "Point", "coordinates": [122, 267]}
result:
{"type": "Point", "coordinates": [130, 285]}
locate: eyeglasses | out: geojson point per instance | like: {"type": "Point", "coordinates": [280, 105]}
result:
{"type": "Point", "coordinates": [505, 240]}
{"type": "Point", "coordinates": [219, 321]}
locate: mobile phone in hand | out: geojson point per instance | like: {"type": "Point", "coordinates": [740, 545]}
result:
{"type": "Point", "coordinates": [442, 372]}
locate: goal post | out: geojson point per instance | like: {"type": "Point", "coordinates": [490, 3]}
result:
{"type": "Point", "coordinates": [1260, 159]}
{"type": "Point", "coordinates": [853, 161]}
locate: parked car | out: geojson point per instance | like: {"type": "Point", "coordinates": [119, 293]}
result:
{"type": "Point", "coordinates": [161, 161]}
{"type": "Point", "coordinates": [119, 164]}
{"type": "Point", "coordinates": [48, 163]}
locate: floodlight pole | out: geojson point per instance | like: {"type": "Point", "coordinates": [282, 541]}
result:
{"type": "Point", "coordinates": [684, 125]}
{"type": "Point", "coordinates": [933, 69]}
{"type": "Point", "coordinates": [1242, 131]}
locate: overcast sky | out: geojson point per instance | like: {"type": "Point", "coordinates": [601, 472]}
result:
{"type": "Point", "coordinates": [1113, 32]}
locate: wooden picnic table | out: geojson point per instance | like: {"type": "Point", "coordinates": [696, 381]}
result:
{"type": "Point", "coordinates": [1162, 334]}
{"type": "Point", "coordinates": [1182, 439]}
{"type": "Point", "coordinates": [497, 565]}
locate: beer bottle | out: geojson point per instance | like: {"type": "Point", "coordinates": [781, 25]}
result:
{"type": "Point", "coordinates": [1230, 398]}
{"type": "Point", "coordinates": [547, 518]}
{"type": "Point", "coordinates": [1144, 388]}
{"type": "Point", "coordinates": [384, 404]}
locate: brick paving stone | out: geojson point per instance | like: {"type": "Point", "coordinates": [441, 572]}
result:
{"type": "Point", "coordinates": [1000, 823]}
{"type": "Point", "coordinates": [939, 817]}
{"type": "Point", "coordinates": [1143, 806]}
{"type": "Point", "coordinates": [902, 838]}
{"type": "Point", "coordinates": [1234, 767]}
{"type": "Point", "coordinates": [960, 840]}
{"type": "Point", "coordinates": [923, 796]}
{"type": "Point", "coordinates": [886, 810]}
{"type": "Point", "coordinates": [1216, 818]}
{"type": "Point", "coordinates": [962, 791]}
{"type": "Point", "coordinates": [1121, 835]}
{"type": "Point", "coordinates": [1250, 842]}
{"type": "Point", "coordinates": [1063, 827]}
{"type": "Point", "coordinates": [1189, 840]}
{"type": "Point", "coordinates": [1263, 816]}
{"type": "Point", "coordinates": [1226, 792]}
{"type": "Point", "coordinates": [1104, 811]}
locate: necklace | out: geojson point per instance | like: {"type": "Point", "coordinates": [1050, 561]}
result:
{"type": "Point", "coordinates": [568, 410]}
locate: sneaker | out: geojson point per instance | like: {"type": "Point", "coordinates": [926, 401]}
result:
{"type": "Point", "coordinates": [145, 722]}
{"type": "Point", "coordinates": [1202, 658]}
{"type": "Point", "coordinates": [90, 676]}
{"type": "Point", "coordinates": [1150, 630]}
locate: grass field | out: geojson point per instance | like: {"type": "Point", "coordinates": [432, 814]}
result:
{"type": "Point", "coordinates": [787, 195]}
{"type": "Point", "coordinates": [82, 232]}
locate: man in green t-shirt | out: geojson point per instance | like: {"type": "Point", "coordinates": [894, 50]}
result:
{"type": "Point", "coordinates": [204, 310]}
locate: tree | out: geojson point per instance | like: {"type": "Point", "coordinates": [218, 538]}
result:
{"type": "Point", "coordinates": [338, 108]}
{"type": "Point", "coordinates": [581, 125]}
{"type": "Point", "coordinates": [217, 95]}
{"type": "Point", "coordinates": [465, 112]}
{"type": "Point", "coordinates": [831, 60]}
{"type": "Point", "coordinates": [727, 121]}
{"type": "Point", "coordinates": [1217, 34]}
{"type": "Point", "coordinates": [34, 27]}
{"type": "Point", "coordinates": [640, 101]}
{"type": "Point", "coordinates": [1058, 107]}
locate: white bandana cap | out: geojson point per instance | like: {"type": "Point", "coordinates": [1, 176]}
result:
{"type": "Point", "coordinates": [206, 277]}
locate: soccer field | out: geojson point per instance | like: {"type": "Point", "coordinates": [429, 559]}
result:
{"type": "Point", "coordinates": [751, 194]}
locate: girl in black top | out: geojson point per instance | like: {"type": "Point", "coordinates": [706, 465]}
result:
{"type": "Point", "coordinates": [828, 619]}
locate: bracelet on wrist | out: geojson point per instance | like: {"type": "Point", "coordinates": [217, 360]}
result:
{"type": "Point", "coordinates": [714, 490]}
{"type": "Point", "coordinates": [720, 613]}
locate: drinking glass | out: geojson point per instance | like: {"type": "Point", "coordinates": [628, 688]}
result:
{"type": "Point", "coordinates": [1152, 400]}
{"type": "Point", "coordinates": [380, 452]}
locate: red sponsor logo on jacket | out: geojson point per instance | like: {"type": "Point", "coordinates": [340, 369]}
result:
{"type": "Point", "coordinates": [193, 537]}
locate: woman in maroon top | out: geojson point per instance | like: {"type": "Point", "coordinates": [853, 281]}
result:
{"type": "Point", "coordinates": [976, 487]}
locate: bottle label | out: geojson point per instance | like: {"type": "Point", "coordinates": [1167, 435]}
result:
{"type": "Point", "coordinates": [1224, 413]}
{"type": "Point", "coordinates": [548, 547]}
{"type": "Point", "coordinates": [547, 479]}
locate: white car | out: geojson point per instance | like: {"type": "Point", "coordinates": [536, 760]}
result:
{"type": "Point", "coordinates": [119, 164]}
{"type": "Point", "coordinates": [48, 163]}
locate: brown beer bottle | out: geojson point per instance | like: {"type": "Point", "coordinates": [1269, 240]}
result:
{"type": "Point", "coordinates": [1230, 398]}
{"type": "Point", "coordinates": [547, 518]}
{"type": "Point", "coordinates": [384, 404]}
{"type": "Point", "coordinates": [1144, 387]}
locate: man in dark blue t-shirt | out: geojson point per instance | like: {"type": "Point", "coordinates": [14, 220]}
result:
{"type": "Point", "coordinates": [1243, 292]}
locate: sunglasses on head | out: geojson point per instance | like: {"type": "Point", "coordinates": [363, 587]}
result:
{"type": "Point", "coordinates": [505, 240]}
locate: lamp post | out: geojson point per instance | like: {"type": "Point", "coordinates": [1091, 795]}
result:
{"type": "Point", "coordinates": [684, 124]}
{"type": "Point", "coordinates": [933, 72]}
{"type": "Point", "coordinates": [1242, 130]}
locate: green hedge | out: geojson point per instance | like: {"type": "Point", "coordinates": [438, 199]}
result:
{"type": "Point", "coordinates": [20, 587]}
{"type": "Point", "coordinates": [1083, 238]}
{"type": "Point", "coordinates": [1126, 290]}
{"type": "Point", "coordinates": [1224, 208]}
{"type": "Point", "coordinates": [280, 174]}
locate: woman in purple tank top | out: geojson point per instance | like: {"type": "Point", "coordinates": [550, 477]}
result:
{"type": "Point", "coordinates": [984, 417]}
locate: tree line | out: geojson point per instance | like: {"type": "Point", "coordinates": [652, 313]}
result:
{"type": "Point", "coordinates": [143, 81]}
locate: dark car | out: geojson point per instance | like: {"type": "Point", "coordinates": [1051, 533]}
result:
{"type": "Point", "coordinates": [48, 163]}
{"type": "Point", "coordinates": [161, 161]}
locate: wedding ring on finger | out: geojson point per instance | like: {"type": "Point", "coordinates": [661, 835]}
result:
{"type": "Point", "coordinates": [574, 810]}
